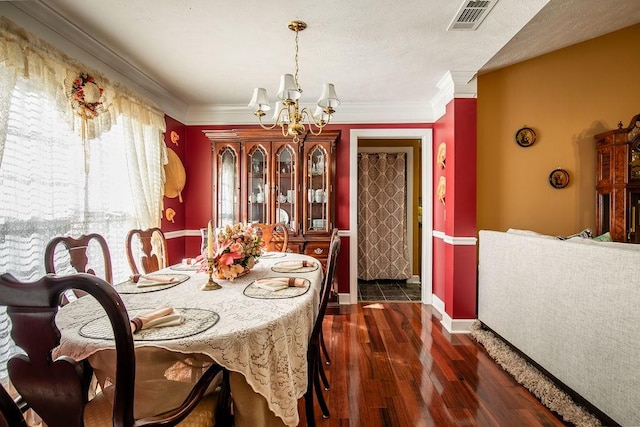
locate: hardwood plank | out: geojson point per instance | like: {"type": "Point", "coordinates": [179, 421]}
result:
{"type": "Point", "coordinates": [393, 364]}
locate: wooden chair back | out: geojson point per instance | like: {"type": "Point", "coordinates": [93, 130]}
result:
{"type": "Point", "coordinates": [146, 250]}
{"type": "Point", "coordinates": [57, 390]}
{"type": "Point", "coordinates": [275, 237]}
{"type": "Point", "coordinates": [78, 249]}
{"type": "Point", "coordinates": [315, 341]}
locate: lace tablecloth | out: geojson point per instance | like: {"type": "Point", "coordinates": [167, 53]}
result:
{"type": "Point", "coordinates": [265, 340]}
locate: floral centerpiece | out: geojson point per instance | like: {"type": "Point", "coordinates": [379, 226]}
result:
{"type": "Point", "coordinates": [238, 249]}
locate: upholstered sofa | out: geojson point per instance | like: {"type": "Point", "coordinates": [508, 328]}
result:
{"type": "Point", "coordinates": [571, 306]}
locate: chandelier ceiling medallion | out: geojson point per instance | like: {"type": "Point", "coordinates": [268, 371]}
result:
{"type": "Point", "coordinates": [288, 114]}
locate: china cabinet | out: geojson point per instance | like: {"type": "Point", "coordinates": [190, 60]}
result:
{"type": "Point", "coordinates": [262, 176]}
{"type": "Point", "coordinates": [618, 182]}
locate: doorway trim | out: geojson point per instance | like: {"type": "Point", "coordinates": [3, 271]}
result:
{"type": "Point", "coordinates": [426, 137]}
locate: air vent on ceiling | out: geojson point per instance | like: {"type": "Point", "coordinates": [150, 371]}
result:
{"type": "Point", "coordinates": [471, 14]}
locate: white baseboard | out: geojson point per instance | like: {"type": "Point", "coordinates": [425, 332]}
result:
{"type": "Point", "coordinates": [453, 326]}
{"type": "Point", "coordinates": [438, 304]}
{"type": "Point", "coordinates": [344, 299]}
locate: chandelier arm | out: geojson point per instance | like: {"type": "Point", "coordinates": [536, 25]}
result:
{"type": "Point", "coordinates": [306, 112]}
{"type": "Point", "coordinates": [264, 126]}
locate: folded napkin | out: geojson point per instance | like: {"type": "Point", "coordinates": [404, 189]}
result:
{"type": "Point", "coordinates": [160, 317]}
{"type": "Point", "coordinates": [279, 283]}
{"type": "Point", "coordinates": [143, 280]}
{"type": "Point", "coordinates": [192, 261]}
{"type": "Point", "coordinates": [294, 265]}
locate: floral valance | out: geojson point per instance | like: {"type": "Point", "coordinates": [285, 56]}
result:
{"type": "Point", "coordinates": [89, 101]}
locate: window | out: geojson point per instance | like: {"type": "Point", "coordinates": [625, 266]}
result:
{"type": "Point", "coordinates": [55, 182]}
{"type": "Point", "coordinates": [45, 192]}
{"type": "Point", "coordinates": [46, 189]}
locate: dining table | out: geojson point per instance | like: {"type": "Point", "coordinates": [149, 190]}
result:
{"type": "Point", "coordinates": [260, 335]}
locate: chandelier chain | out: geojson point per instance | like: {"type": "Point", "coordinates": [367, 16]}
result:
{"type": "Point", "coordinates": [296, 58]}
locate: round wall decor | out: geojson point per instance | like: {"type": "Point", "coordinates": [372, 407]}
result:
{"type": "Point", "coordinates": [559, 178]}
{"type": "Point", "coordinates": [525, 137]}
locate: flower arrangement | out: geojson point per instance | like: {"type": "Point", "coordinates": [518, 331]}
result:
{"type": "Point", "coordinates": [238, 249]}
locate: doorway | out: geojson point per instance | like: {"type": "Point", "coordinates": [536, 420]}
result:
{"type": "Point", "coordinates": [388, 254]}
{"type": "Point", "coordinates": [425, 216]}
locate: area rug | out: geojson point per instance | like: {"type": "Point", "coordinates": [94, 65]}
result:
{"type": "Point", "coordinates": [533, 380]}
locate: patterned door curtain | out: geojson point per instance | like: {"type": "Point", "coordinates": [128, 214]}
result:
{"type": "Point", "coordinates": [383, 250]}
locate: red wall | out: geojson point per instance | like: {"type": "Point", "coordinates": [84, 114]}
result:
{"type": "Point", "coordinates": [454, 265]}
{"type": "Point", "coordinates": [198, 194]}
{"type": "Point", "coordinates": [175, 247]}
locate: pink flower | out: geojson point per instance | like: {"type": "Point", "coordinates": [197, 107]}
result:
{"type": "Point", "coordinates": [229, 258]}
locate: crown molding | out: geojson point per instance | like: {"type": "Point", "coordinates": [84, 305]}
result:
{"type": "Point", "coordinates": [45, 22]}
{"type": "Point", "coordinates": [348, 113]}
{"type": "Point", "coordinates": [454, 84]}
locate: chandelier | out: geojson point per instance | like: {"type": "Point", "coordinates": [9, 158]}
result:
{"type": "Point", "coordinates": [288, 114]}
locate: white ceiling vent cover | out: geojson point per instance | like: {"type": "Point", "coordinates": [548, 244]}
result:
{"type": "Point", "coordinates": [471, 14]}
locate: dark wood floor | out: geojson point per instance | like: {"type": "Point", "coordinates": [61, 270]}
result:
{"type": "Point", "coordinates": [394, 365]}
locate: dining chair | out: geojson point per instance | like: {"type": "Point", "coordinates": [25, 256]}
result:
{"type": "Point", "coordinates": [314, 364]}
{"type": "Point", "coordinates": [323, 345]}
{"type": "Point", "coordinates": [275, 237]}
{"type": "Point", "coordinates": [77, 250]}
{"type": "Point", "coordinates": [146, 250]}
{"type": "Point", "coordinates": [57, 390]}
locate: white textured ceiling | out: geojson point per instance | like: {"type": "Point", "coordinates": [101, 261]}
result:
{"type": "Point", "coordinates": [206, 56]}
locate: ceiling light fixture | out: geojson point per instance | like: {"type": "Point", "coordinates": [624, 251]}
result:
{"type": "Point", "coordinates": [288, 114]}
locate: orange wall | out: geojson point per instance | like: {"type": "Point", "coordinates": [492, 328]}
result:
{"type": "Point", "coordinates": [566, 96]}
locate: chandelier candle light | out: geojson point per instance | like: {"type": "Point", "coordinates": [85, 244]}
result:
{"type": "Point", "coordinates": [288, 114]}
{"type": "Point", "coordinates": [211, 285]}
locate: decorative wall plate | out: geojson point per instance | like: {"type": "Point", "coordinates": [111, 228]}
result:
{"type": "Point", "coordinates": [525, 137]}
{"type": "Point", "coordinates": [175, 175]}
{"type": "Point", "coordinates": [442, 155]}
{"type": "Point", "coordinates": [559, 178]}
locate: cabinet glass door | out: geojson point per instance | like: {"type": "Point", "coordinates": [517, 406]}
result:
{"type": "Point", "coordinates": [634, 165]}
{"type": "Point", "coordinates": [317, 185]}
{"type": "Point", "coordinates": [286, 188]}
{"type": "Point", "coordinates": [257, 186]}
{"type": "Point", "coordinates": [227, 188]}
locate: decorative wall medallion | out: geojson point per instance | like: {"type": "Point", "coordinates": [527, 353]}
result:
{"type": "Point", "coordinates": [559, 178]}
{"type": "Point", "coordinates": [170, 213]}
{"type": "Point", "coordinates": [525, 137]}
{"type": "Point", "coordinates": [175, 137]}
{"type": "Point", "coordinates": [442, 154]}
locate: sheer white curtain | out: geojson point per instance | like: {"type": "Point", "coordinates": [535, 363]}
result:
{"type": "Point", "coordinates": [45, 189]}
